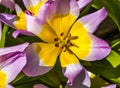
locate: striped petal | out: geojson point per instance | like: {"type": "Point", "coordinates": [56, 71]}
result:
{"type": "Point", "coordinates": [87, 46]}
{"type": "Point", "coordinates": [17, 48]}
{"type": "Point", "coordinates": [41, 58]}
{"type": "Point", "coordinates": [8, 3]}
{"type": "Point", "coordinates": [99, 49]}
{"type": "Point", "coordinates": [14, 68]}
{"type": "Point", "coordinates": [83, 3]}
{"type": "Point", "coordinates": [92, 21]}
{"type": "Point", "coordinates": [34, 5]}
{"type": "Point", "coordinates": [82, 80]}
{"type": "Point", "coordinates": [8, 19]}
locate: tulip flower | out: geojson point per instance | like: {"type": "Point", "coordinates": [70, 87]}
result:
{"type": "Point", "coordinates": [65, 38]}
{"type": "Point", "coordinates": [19, 21]}
{"type": "Point", "coordinates": [12, 61]}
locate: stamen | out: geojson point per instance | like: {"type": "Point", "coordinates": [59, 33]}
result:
{"type": "Point", "coordinates": [74, 37]}
{"type": "Point", "coordinates": [61, 34]}
{"type": "Point", "coordinates": [55, 39]}
{"type": "Point", "coordinates": [56, 44]}
{"type": "Point", "coordinates": [17, 18]}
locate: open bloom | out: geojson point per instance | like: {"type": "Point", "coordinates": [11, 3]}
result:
{"type": "Point", "coordinates": [12, 61]}
{"type": "Point", "coordinates": [19, 21]}
{"type": "Point", "coordinates": [8, 3]}
{"type": "Point", "coordinates": [66, 38]}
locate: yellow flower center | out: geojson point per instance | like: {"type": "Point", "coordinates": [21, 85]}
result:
{"type": "Point", "coordinates": [2, 80]}
{"type": "Point", "coordinates": [65, 42]}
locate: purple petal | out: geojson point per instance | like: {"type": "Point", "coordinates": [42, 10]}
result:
{"type": "Point", "coordinates": [8, 19]}
{"type": "Point", "coordinates": [17, 63]}
{"type": "Point", "coordinates": [74, 8]}
{"type": "Point", "coordinates": [110, 86]}
{"type": "Point", "coordinates": [45, 12]}
{"type": "Point", "coordinates": [9, 86]}
{"type": "Point", "coordinates": [17, 48]}
{"type": "Point", "coordinates": [81, 78]}
{"type": "Point", "coordinates": [17, 32]}
{"type": "Point", "coordinates": [83, 3]}
{"type": "Point", "coordinates": [71, 71]}
{"type": "Point", "coordinates": [39, 86]}
{"type": "Point", "coordinates": [92, 21]}
{"type": "Point", "coordinates": [34, 66]}
{"type": "Point", "coordinates": [8, 3]}
{"type": "Point", "coordinates": [34, 24]}
{"type": "Point", "coordinates": [99, 49]}
{"type": "Point", "coordinates": [62, 6]}
{"type": "Point", "coordinates": [29, 3]}
{"type": "Point", "coordinates": [18, 9]}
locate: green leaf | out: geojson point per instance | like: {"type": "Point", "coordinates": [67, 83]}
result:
{"type": "Point", "coordinates": [108, 68]}
{"type": "Point", "coordinates": [113, 8]}
{"type": "Point", "coordinates": [98, 82]}
{"type": "Point", "coordinates": [4, 31]}
{"type": "Point", "coordinates": [114, 59]}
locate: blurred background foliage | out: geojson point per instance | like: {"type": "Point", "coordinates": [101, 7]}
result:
{"type": "Point", "coordinates": [106, 71]}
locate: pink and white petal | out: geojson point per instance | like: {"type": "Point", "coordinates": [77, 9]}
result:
{"type": "Point", "coordinates": [8, 19]}
{"type": "Point", "coordinates": [46, 11]}
{"type": "Point", "coordinates": [99, 49]}
{"type": "Point", "coordinates": [35, 64]}
{"type": "Point", "coordinates": [18, 9]}
{"type": "Point", "coordinates": [0, 31]}
{"type": "Point", "coordinates": [34, 24]}
{"type": "Point", "coordinates": [76, 72]}
{"type": "Point", "coordinates": [17, 48]}
{"type": "Point", "coordinates": [29, 3]}
{"type": "Point", "coordinates": [110, 86]}
{"type": "Point", "coordinates": [82, 80]}
{"type": "Point", "coordinates": [92, 21]}
{"type": "Point", "coordinates": [15, 67]}
{"type": "Point", "coordinates": [8, 3]}
{"type": "Point", "coordinates": [9, 86]}
{"type": "Point", "coordinates": [74, 8]}
{"type": "Point", "coordinates": [83, 3]}
{"type": "Point", "coordinates": [59, 7]}
{"type": "Point", "coordinates": [17, 32]}
{"type": "Point", "coordinates": [70, 64]}
{"type": "Point", "coordinates": [62, 6]}
{"type": "Point", "coordinates": [39, 86]}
